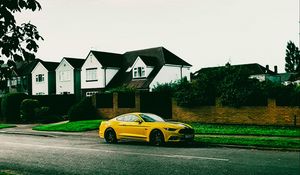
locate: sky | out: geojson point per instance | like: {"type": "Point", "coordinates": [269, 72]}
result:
{"type": "Point", "coordinates": [205, 33]}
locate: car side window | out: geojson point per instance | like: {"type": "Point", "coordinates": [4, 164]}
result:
{"type": "Point", "coordinates": [130, 118]}
{"type": "Point", "coordinates": [121, 118]}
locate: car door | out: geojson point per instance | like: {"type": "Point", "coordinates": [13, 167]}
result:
{"type": "Point", "coordinates": [132, 128]}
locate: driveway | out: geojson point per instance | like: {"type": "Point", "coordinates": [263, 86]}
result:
{"type": "Point", "coordinates": [77, 153]}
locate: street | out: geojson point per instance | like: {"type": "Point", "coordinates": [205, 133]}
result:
{"type": "Point", "coordinates": [73, 154]}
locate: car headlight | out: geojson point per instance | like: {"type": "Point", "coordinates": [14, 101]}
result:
{"type": "Point", "coordinates": [170, 129]}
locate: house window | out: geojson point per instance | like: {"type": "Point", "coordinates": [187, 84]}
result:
{"type": "Point", "coordinates": [39, 78]}
{"type": "Point", "coordinates": [64, 75]}
{"type": "Point", "coordinates": [91, 74]}
{"type": "Point", "coordinates": [13, 82]}
{"type": "Point", "coordinates": [19, 80]}
{"type": "Point", "coordinates": [139, 72]}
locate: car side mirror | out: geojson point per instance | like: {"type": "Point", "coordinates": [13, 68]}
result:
{"type": "Point", "coordinates": [139, 121]}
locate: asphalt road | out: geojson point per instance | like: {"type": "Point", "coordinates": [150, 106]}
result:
{"type": "Point", "coordinates": [28, 154]}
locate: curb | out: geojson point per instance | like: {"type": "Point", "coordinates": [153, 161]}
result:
{"type": "Point", "coordinates": [23, 133]}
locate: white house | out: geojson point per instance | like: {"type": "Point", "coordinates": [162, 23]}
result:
{"type": "Point", "coordinates": [98, 70]}
{"type": "Point", "coordinates": [68, 76]}
{"type": "Point", "coordinates": [141, 69]}
{"type": "Point", "coordinates": [43, 78]}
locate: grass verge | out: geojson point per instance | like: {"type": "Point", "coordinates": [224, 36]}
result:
{"type": "Point", "coordinates": [77, 126]}
{"type": "Point", "coordinates": [245, 130]}
{"type": "Point", "coordinates": [6, 126]}
{"type": "Point", "coordinates": [271, 142]}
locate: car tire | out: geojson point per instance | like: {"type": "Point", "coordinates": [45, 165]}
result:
{"type": "Point", "coordinates": [110, 136]}
{"type": "Point", "coordinates": [157, 138]}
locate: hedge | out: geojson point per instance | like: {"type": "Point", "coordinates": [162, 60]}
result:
{"type": "Point", "coordinates": [10, 106]}
{"type": "Point", "coordinates": [84, 110]}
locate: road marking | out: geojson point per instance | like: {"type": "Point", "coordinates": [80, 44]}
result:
{"type": "Point", "coordinates": [120, 152]}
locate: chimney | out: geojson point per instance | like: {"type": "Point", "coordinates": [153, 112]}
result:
{"type": "Point", "coordinates": [275, 69]}
{"type": "Point", "coordinates": [267, 68]}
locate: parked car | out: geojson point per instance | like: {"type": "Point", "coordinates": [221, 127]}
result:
{"type": "Point", "coordinates": [145, 127]}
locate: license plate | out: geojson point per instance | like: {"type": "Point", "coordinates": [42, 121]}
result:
{"type": "Point", "coordinates": [188, 136]}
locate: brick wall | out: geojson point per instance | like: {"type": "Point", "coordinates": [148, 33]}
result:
{"type": "Point", "coordinates": [108, 113]}
{"type": "Point", "coordinates": [268, 115]}
{"type": "Point", "coordinates": [263, 115]}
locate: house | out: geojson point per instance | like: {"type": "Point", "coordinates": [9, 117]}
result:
{"type": "Point", "coordinates": [98, 70]}
{"type": "Point", "coordinates": [43, 78]}
{"type": "Point", "coordinates": [6, 73]}
{"type": "Point", "coordinates": [140, 69]}
{"type": "Point", "coordinates": [289, 78]}
{"type": "Point", "coordinates": [68, 76]}
{"type": "Point", "coordinates": [253, 70]}
{"type": "Point", "coordinates": [20, 80]}
{"type": "Point", "coordinates": [144, 69]}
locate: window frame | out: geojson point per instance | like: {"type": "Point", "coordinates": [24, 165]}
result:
{"type": "Point", "coordinates": [139, 72]}
{"type": "Point", "coordinates": [89, 77]}
{"type": "Point", "coordinates": [64, 76]}
{"type": "Point", "coordinates": [40, 78]}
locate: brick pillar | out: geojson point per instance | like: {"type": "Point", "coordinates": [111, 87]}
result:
{"type": "Point", "coordinates": [137, 101]}
{"type": "Point", "coordinates": [271, 103]}
{"type": "Point", "coordinates": [115, 101]}
{"type": "Point", "coordinates": [94, 100]}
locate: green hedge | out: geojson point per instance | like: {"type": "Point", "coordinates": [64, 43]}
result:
{"type": "Point", "coordinates": [84, 110]}
{"type": "Point", "coordinates": [10, 106]}
{"type": "Point", "coordinates": [29, 109]}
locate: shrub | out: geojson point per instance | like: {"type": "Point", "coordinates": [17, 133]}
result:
{"type": "Point", "coordinates": [84, 110]}
{"type": "Point", "coordinates": [10, 106]}
{"type": "Point", "coordinates": [120, 89]}
{"type": "Point", "coordinates": [185, 93]}
{"type": "Point", "coordinates": [165, 88]}
{"type": "Point", "coordinates": [28, 108]}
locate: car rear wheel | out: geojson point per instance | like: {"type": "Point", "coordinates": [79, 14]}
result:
{"type": "Point", "coordinates": [110, 136]}
{"type": "Point", "coordinates": [157, 138]}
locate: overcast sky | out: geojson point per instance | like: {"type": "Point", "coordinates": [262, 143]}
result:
{"type": "Point", "coordinates": [205, 33]}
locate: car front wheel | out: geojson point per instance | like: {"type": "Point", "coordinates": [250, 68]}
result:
{"type": "Point", "coordinates": [110, 136]}
{"type": "Point", "coordinates": [157, 138]}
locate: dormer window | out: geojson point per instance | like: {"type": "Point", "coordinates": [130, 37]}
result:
{"type": "Point", "coordinates": [139, 72]}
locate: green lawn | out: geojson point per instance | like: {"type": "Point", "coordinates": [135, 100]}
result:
{"type": "Point", "coordinates": [245, 130]}
{"type": "Point", "coordinates": [7, 172]}
{"type": "Point", "coordinates": [251, 141]}
{"type": "Point", "coordinates": [77, 126]}
{"type": "Point", "coordinates": [6, 126]}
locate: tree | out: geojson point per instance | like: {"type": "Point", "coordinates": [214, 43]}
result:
{"type": "Point", "coordinates": [292, 58]}
{"type": "Point", "coordinates": [18, 41]}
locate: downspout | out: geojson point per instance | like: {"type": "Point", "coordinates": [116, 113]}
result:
{"type": "Point", "coordinates": [104, 77]}
{"type": "Point", "coordinates": [181, 72]}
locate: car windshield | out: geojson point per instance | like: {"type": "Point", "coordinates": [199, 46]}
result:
{"type": "Point", "coordinates": [151, 118]}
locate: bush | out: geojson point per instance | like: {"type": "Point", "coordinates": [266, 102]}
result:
{"type": "Point", "coordinates": [29, 108]}
{"type": "Point", "coordinates": [84, 110]}
{"type": "Point", "coordinates": [10, 106]}
{"type": "Point", "coordinates": [120, 89]}
{"type": "Point", "coordinates": [168, 88]}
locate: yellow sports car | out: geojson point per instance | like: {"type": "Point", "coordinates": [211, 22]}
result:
{"type": "Point", "coordinates": [145, 127]}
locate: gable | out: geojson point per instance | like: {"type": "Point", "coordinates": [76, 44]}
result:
{"type": "Point", "coordinates": [91, 61]}
{"type": "Point", "coordinates": [138, 63]}
{"type": "Point", "coordinates": [64, 65]}
{"type": "Point", "coordinates": [39, 68]}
